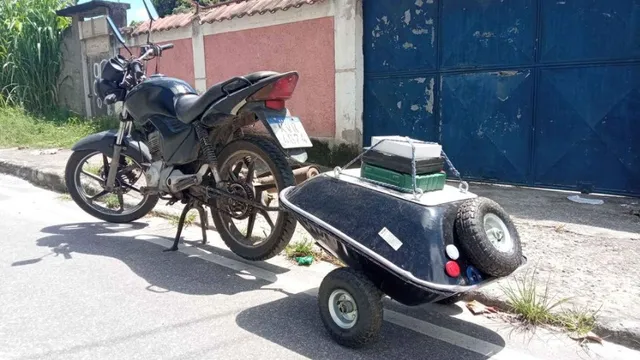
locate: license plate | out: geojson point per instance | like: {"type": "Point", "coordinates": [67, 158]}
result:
{"type": "Point", "coordinates": [289, 132]}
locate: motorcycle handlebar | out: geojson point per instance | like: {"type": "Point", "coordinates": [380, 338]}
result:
{"type": "Point", "coordinates": [166, 46]}
{"type": "Point", "coordinates": [148, 53]}
{"type": "Point", "coordinates": [137, 68]}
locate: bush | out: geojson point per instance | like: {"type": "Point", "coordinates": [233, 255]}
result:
{"type": "Point", "coordinates": [30, 53]}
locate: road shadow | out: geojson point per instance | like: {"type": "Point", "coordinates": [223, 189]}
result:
{"type": "Point", "coordinates": [293, 322]}
{"type": "Point", "coordinates": [617, 213]}
{"type": "Point", "coordinates": [278, 270]}
{"type": "Point", "coordinates": [165, 272]}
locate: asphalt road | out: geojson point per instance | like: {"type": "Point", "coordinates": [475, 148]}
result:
{"type": "Point", "coordinates": [73, 287]}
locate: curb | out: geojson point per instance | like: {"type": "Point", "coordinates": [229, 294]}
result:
{"type": "Point", "coordinates": [617, 331]}
{"type": "Point", "coordinates": [53, 180]}
{"type": "Point", "coordinates": [42, 178]}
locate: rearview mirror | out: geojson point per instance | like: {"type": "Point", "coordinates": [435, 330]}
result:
{"type": "Point", "coordinates": [115, 31]}
{"type": "Point", "coordinates": [151, 10]}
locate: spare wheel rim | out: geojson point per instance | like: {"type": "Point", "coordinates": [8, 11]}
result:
{"type": "Point", "coordinates": [498, 233]}
{"type": "Point", "coordinates": [343, 309]}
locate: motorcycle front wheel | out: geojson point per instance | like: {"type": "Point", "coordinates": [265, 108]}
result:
{"type": "Point", "coordinates": [255, 169]}
{"type": "Point", "coordinates": [85, 178]}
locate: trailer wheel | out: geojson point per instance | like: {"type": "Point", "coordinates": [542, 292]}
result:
{"type": "Point", "coordinates": [488, 237]}
{"type": "Point", "coordinates": [350, 307]}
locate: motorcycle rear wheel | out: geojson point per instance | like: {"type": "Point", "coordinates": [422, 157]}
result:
{"type": "Point", "coordinates": [238, 237]}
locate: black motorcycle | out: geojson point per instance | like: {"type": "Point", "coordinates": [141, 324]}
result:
{"type": "Point", "coordinates": [176, 145]}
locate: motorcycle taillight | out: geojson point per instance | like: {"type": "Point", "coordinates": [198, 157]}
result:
{"type": "Point", "coordinates": [282, 89]}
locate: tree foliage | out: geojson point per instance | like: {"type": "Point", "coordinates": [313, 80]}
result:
{"type": "Point", "coordinates": [168, 7]}
{"type": "Point", "coordinates": [164, 7]}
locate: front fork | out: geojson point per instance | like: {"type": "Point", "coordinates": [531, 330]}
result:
{"type": "Point", "coordinates": [123, 130]}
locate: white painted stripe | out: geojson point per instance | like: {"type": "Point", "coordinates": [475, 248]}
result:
{"type": "Point", "coordinates": [482, 347]}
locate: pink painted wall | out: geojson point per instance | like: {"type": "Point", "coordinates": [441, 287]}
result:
{"type": "Point", "coordinates": [176, 62]}
{"type": "Point", "coordinates": [305, 46]}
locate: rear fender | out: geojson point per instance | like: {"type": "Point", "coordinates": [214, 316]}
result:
{"type": "Point", "coordinates": [234, 100]}
{"type": "Point", "coordinates": [105, 140]}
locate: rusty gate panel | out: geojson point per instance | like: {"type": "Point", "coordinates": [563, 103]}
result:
{"type": "Point", "coordinates": [589, 30]}
{"type": "Point", "coordinates": [486, 123]}
{"type": "Point", "coordinates": [532, 92]}
{"type": "Point", "coordinates": [487, 33]}
{"type": "Point", "coordinates": [401, 106]}
{"type": "Point", "coordinates": [400, 38]}
{"type": "Point", "coordinates": [588, 129]}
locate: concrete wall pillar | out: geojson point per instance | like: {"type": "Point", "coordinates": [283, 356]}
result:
{"type": "Point", "coordinates": [70, 84]}
{"type": "Point", "coordinates": [96, 46]}
{"type": "Point", "coordinates": [199, 57]}
{"type": "Point", "coordinates": [349, 71]}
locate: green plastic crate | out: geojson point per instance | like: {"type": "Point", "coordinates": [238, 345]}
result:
{"type": "Point", "coordinates": [428, 182]}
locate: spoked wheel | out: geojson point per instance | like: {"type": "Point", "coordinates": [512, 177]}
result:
{"type": "Point", "coordinates": [350, 307]}
{"type": "Point", "coordinates": [86, 175]}
{"type": "Point", "coordinates": [253, 169]}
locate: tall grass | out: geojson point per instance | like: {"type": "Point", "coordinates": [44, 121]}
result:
{"type": "Point", "coordinates": [30, 53]}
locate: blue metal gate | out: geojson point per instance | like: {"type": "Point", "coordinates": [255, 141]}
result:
{"type": "Point", "coordinates": [531, 92]}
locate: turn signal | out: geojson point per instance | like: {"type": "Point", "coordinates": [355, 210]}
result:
{"type": "Point", "coordinates": [452, 269]}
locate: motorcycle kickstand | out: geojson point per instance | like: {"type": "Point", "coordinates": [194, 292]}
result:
{"type": "Point", "coordinates": [183, 216]}
{"type": "Point", "coordinates": [204, 222]}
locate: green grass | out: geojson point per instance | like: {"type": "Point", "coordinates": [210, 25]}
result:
{"type": "Point", "coordinates": [535, 306]}
{"type": "Point", "coordinates": [111, 201]}
{"type": "Point", "coordinates": [65, 197]}
{"type": "Point", "coordinates": [305, 248]}
{"type": "Point", "coordinates": [93, 168]}
{"type": "Point", "coordinates": [188, 221]}
{"type": "Point", "coordinates": [578, 320]}
{"type": "Point", "coordinates": [532, 304]}
{"type": "Point", "coordinates": [20, 128]}
{"type": "Point", "coordinates": [301, 249]}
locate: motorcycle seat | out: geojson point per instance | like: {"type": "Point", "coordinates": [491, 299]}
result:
{"type": "Point", "coordinates": [189, 107]}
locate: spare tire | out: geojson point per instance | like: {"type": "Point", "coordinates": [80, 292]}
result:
{"type": "Point", "coordinates": [488, 237]}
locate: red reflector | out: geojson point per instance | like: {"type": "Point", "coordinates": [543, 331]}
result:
{"type": "Point", "coordinates": [275, 104]}
{"type": "Point", "coordinates": [452, 269]}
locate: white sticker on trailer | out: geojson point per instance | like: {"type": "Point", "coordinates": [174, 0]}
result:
{"type": "Point", "coordinates": [391, 239]}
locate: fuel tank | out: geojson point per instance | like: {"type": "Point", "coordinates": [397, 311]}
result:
{"type": "Point", "coordinates": [155, 96]}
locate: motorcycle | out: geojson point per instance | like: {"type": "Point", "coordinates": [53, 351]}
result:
{"type": "Point", "coordinates": [175, 145]}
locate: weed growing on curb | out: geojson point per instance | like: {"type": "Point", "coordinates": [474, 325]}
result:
{"type": "Point", "coordinates": [578, 320]}
{"type": "Point", "coordinates": [305, 248]}
{"type": "Point", "coordinates": [300, 249]}
{"type": "Point", "coordinates": [536, 306]}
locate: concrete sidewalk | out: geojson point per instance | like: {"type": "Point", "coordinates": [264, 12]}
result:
{"type": "Point", "coordinates": [585, 252]}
